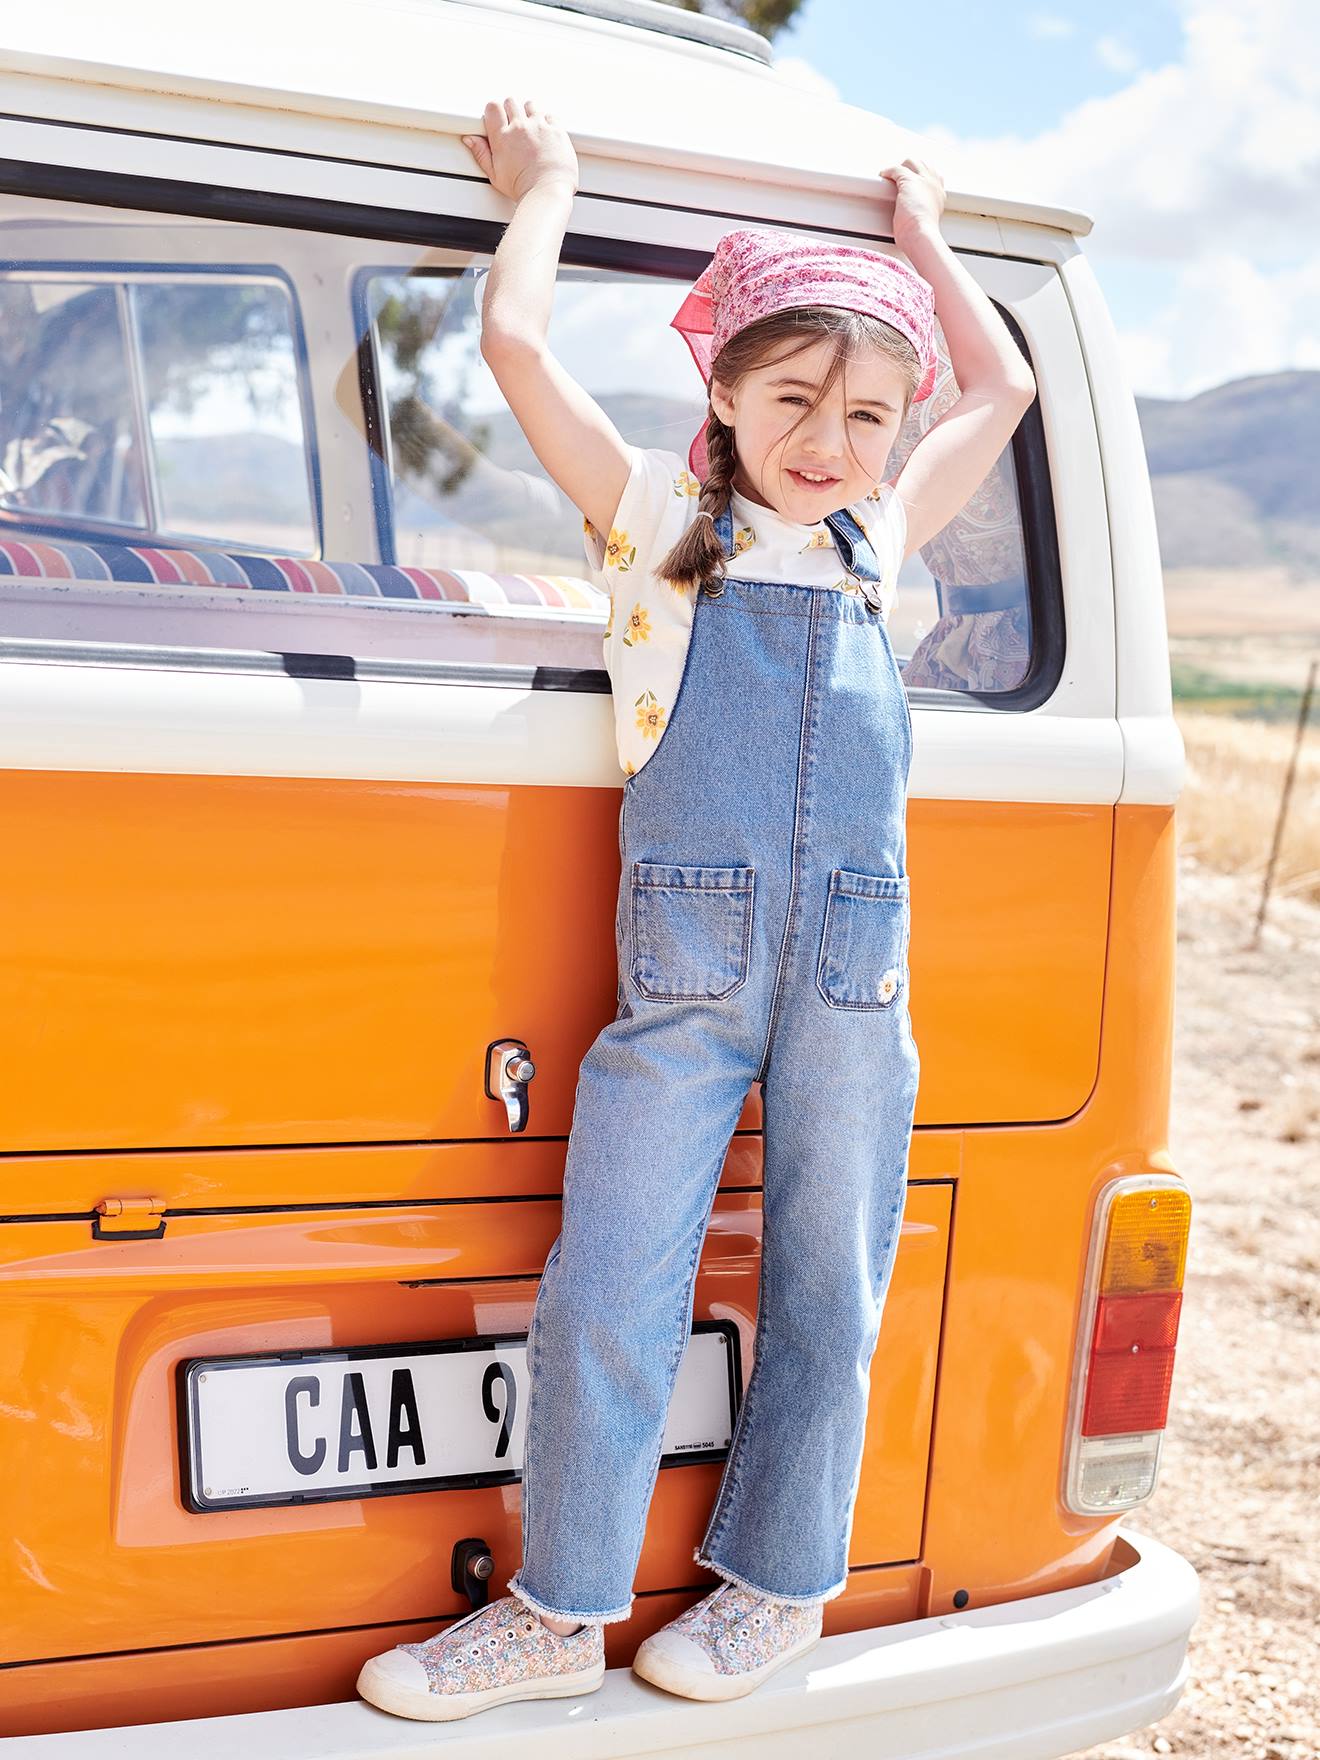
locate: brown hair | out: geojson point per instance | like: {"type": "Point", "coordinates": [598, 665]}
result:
{"type": "Point", "coordinates": [698, 555]}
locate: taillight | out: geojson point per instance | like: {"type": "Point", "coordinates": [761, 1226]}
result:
{"type": "Point", "coordinates": [1131, 1299]}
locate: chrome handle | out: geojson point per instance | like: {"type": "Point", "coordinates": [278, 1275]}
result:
{"type": "Point", "coordinates": [509, 1068]}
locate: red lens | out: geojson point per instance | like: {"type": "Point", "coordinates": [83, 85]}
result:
{"type": "Point", "coordinates": [1132, 1350]}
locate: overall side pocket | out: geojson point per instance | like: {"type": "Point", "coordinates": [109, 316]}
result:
{"type": "Point", "coordinates": [691, 930]}
{"type": "Point", "coordinates": [864, 942]}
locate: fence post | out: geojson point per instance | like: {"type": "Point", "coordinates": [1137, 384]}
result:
{"type": "Point", "coordinates": [1302, 713]}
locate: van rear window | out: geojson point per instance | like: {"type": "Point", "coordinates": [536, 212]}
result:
{"type": "Point", "coordinates": [202, 419]}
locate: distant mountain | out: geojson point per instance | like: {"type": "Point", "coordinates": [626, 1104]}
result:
{"type": "Point", "coordinates": [1235, 473]}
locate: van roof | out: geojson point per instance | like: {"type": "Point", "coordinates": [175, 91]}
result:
{"type": "Point", "coordinates": [634, 87]}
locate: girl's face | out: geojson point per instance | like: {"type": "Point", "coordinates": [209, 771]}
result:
{"type": "Point", "coordinates": [839, 450]}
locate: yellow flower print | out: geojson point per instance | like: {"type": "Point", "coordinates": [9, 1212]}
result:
{"type": "Point", "coordinates": [686, 484]}
{"type": "Point", "coordinates": [638, 626]}
{"type": "Point", "coordinates": [651, 717]}
{"type": "Point", "coordinates": [609, 622]}
{"type": "Point", "coordinates": [743, 539]}
{"type": "Point", "coordinates": [619, 553]}
{"type": "Point", "coordinates": [630, 769]}
{"type": "Point", "coordinates": [817, 541]}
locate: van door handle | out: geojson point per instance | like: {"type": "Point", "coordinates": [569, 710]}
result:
{"type": "Point", "coordinates": [509, 1068]}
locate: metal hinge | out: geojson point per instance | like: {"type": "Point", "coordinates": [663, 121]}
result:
{"type": "Point", "coordinates": [128, 1219]}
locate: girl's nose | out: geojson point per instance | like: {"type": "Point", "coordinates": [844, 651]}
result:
{"type": "Point", "coordinates": [824, 438]}
{"type": "Point", "coordinates": [822, 434]}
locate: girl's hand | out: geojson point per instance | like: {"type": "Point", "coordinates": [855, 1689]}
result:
{"type": "Point", "coordinates": [522, 148]}
{"type": "Point", "coordinates": [920, 200]}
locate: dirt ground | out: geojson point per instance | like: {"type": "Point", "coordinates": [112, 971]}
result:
{"type": "Point", "coordinates": [1241, 1470]}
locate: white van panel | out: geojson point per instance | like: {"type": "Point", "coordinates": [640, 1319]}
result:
{"type": "Point", "coordinates": [412, 69]}
{"type": "Point", "coordinates": [99, 717]}
{"type": "Point", "coordinates": [143, 721]}
{"type": "Point", "coordinates": [1154, 753]}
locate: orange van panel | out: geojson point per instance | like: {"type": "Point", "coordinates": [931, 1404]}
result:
{"type": "Point", "coordinates": [79, 1332]}
{"type": "Point", "coordinates": [103, 1555]}
{"type": "Point", "coordinates": [196, 961]}
{"type": "Point", "coordinates": [996, 1525]}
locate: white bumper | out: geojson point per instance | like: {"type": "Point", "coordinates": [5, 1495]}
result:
{"type": "Point", "coordinates": [1034, 1679]}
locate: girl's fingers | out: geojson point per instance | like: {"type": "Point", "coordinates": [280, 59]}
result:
{"type": "Point", "coordinates": [479, 148]}
{"type": "Point", "coordinates": [527, 106]}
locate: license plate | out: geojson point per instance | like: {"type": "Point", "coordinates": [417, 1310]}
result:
{"type": "Point", "coordinates": [308, 1426]}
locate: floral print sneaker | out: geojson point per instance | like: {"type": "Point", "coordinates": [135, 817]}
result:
{"type": "Point", "coordinates": [728, 1643]}
{"type": "Point", "coordinates": [499, 1653]}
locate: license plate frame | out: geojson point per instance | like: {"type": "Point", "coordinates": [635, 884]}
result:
{"type": "Point", "coordinates": [199, 1412]}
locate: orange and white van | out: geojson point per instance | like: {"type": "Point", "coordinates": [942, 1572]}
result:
{"type": "Point", "coordinates": [308, 808]}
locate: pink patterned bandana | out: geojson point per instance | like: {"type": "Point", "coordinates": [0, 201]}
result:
{"type": "Point", "coordinates": [756, 271]}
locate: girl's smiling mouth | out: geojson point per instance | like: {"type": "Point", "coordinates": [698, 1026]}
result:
{"type": "Point", "coordinates": [815, 481]}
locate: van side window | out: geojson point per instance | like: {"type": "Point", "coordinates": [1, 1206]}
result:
{"type": "Point", "coordinates": [962, 620]}
{"type": "Point", "coordinates": [458, 486]}
{"type": "Point", "coordinates": [462, 488]}
{"type": "Point", "coordinates": [170, 407]}
{"type": "Point", "coordinates": [255, 436]}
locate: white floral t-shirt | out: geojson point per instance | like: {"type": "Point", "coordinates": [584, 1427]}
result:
{"type": "Point", "coordinates": [650, 623]}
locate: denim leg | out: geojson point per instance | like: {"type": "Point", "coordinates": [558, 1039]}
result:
{"type": "Point", "coordinates": [655, 1110]}
{"type": "Point", "coordinates": [839, 1097]}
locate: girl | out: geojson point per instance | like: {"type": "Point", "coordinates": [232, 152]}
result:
{"type": "Point", "coordinates": [762, 923]}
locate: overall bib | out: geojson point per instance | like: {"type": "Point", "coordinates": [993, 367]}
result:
{"type": "Point", "coordinates": [762, 929]}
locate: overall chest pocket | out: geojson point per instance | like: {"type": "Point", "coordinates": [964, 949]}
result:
{"type": "Point", "coordinates": [691, 930]}
{"type": "Point", "coordinates": [864, 944]}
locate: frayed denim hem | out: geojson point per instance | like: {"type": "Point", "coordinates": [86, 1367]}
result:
{"type": "Point", "coordinates": [770, 1594]}
{"type": "Point", "coordinates": [588, 1619]}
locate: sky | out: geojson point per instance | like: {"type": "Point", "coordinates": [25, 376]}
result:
{"type": "Point", "coordinates": [1188, 129]}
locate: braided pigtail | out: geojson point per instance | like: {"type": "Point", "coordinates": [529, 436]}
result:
{"type": "Point", "coordinates": [698, 555]}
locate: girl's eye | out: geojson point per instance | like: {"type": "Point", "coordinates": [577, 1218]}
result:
{"type": "Point", "coordinates": [790, 398]}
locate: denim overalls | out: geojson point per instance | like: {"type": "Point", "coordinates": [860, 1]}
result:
{"type": "Point", "coordinates": [762, 931]}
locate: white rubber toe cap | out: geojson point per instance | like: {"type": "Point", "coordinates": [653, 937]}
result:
{"type": "Point", "coordinates": [397, 1669]}
{"type": "Point", "coordinates": [672, 1651]}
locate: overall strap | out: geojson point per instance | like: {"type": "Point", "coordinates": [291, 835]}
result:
{"type": "Point", "coordinates": [853, 545]}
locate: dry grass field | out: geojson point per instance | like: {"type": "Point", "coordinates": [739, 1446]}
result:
{"type": "Point", "coordinates": [1230, 801]}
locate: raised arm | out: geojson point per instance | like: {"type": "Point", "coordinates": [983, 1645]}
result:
{"type": "Point", "coordinates": [951, 461]}
{"type": "Point", "coordinates": [529, 158]}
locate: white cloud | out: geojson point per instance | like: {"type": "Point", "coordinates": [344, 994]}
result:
{"type": "Point", "coordinates": [1226, 319]}
{"type": "Point", "coordinates": [1114, 54]}
{"type": "Point", "coordinates": [1211, 165]}
{"type": "Point", "coordinates": [1049, 24]}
